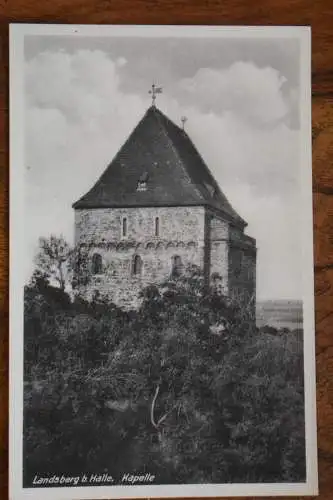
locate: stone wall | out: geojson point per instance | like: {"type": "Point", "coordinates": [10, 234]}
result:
{"type": "Point", "coordinates": [242, 269]}
{"type": "Point", "coordinates": [176, 223]}
{"type": "Point", "coordinates": [195, 234]}
{"type": "Point", "coordinates": [218, 248]}
{"type": "Point", "coordinates": [181, 233]}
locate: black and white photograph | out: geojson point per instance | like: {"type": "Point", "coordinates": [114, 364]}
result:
{"type": "Point", "coordinates": [161, 267]}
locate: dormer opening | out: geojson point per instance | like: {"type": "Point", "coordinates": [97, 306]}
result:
{"type": "Point", "coordinates": [142, 182]}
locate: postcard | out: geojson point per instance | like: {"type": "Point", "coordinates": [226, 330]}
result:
{"type": "Point", "coordinates": [161, 266]}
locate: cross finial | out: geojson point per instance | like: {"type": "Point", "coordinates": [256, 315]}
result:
{"type": "Point", "coordinates": [183, 120]}
{"type": "Point", "coordinates": [154, 90]}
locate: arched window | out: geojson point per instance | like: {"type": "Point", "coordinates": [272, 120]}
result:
{"type": "Point", "coordinates": [137, 265]}
{"type": "Point", "coordinates": [124, 228]}
{"type": "Point", "coordinates": [97, 264]}
{"type": "Point", "coordinates": [157, 226]}
{"type": "Point", "coordinates": [177, 266]}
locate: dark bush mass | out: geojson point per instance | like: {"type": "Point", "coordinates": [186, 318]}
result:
{"type": "Point", "coordinates": [185, 388]}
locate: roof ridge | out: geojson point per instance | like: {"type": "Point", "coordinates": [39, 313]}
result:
{"type": "Point", "coordinates": [174, 149]}
{"type": "Point", "coordinates": [182, 131]}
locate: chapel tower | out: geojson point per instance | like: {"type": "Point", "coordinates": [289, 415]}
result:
{"type": "Point", "coordinates": [156, 209]}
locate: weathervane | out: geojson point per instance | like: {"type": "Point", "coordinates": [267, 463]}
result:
{"type": "Point", "coordinates": [183, 120]}
{"type": "Point", "coordinates": [154, 91]}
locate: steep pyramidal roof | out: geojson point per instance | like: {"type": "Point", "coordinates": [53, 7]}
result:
{"type": "Point", "coordinates": [157, 166]}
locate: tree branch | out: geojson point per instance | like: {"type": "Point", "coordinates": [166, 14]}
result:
{"type": "Point", "coordinates": [152, 408]}
{"type": "Point", "coordinates": [166, 414]}
{"type": "Point", "coordinates": [61, 276]}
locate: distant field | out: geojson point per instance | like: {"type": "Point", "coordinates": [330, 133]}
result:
{"type": "Point", "coordinates": [280, 313]}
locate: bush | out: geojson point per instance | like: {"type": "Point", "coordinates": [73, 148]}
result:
{"type": "Point", "coordinates": [185, 388]}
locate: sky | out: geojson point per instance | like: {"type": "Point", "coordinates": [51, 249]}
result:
{"type": "Point", "coordinates": [83, 97]}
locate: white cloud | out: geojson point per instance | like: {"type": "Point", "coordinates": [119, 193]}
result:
{"type": "Point", "coordinates": [121, 61]}
{"type": "Point", "coordinates": [243, 88]}
{"type": "Point", "coordinates": [266, 159]}
{"type": "Point", "coordinates": [76, 119]}
{"type": "Point", "coordinates": [78, 116]}
{"type": "Point", "coordinates": [257, 170]}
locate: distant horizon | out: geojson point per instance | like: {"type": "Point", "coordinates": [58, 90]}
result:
{"type": "Point", "coordinates": [281, 300]}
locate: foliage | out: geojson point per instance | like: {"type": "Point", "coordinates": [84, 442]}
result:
{"type": "Point", "coordinates": [53, 259]}
{"type": "Point", "coordinates": [185, 388]}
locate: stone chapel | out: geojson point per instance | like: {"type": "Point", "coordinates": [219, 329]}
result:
{"type": "Point", "coordinates": [156, 209]}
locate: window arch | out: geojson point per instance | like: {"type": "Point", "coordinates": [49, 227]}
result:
{"type": "Point", "coordinates": [97, 264]}
{"type": "Point", "coordinates": [176, 265]}
{"type": "Point", "coordinates": [157, 226]}
{"type": "Point", "coordinates": [137, 265]}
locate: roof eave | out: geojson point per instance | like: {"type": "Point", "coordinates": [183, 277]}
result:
{"type": "Point", "coordinates": [233, 220]}
{"type": "Point", "coordinates": [87, 206]}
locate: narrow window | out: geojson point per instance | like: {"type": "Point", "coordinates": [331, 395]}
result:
{"type": "Point", "coordinates": [97, 263]}
{"type": "Point", "coordinates": [177, 266]}
{"type": "Point", "coordinates": [124, 230]}
{"type": "Point", "coordinates": [137, 265]}
{"type": "Point", "coordinates": [157, 226]}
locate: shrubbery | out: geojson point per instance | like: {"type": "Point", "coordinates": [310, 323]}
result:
{"type": "Point", "coordinates": [185, 388]}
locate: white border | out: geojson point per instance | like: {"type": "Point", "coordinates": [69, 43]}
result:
{"type": "Point", "coordinates": [17, 174]}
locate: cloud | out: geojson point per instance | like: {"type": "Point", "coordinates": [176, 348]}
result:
{"type": "Point", "coordinates": [258, 171]}
{"type": "Point", "coordinates": [265, 159]}
{"type": "Point", "coordinates": [78, 114]}
{"type": "Point", "coordinates": [250, 92]}
{"type": "Point", "coordinates": [121, 61]}
{"type": "Point", "coordinates": [76, 118]}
